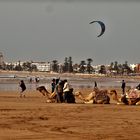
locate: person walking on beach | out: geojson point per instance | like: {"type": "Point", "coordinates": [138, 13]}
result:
{"type": "Point", "coordinates": [23, 88]}
{"type": "Point", "coordinates": [123, 87]}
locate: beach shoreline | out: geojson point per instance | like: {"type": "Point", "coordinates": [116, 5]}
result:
{"type": "Point", "coordinates": [52, 74]}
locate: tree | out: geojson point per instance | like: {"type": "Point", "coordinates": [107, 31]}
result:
{"type": "Point", "coordinates": [55, 66]}
{"type": "Point", "coordinates": [18, 67]}
{"type": "Point", "coordinates": [111, 66]}
{"type": "Point", "coordinates": [126, 68]}
{"type": "Point", "coordinates": [75, 67]}
{"type": "Point", "coordinates": [82, 66]}
{"type": "Point", "coordinates": [34, 68]}
{"type": "Point", "coordinates": [89, 67]}
{"type": "Point", "coordinates": [9, 66]}
{"type": "Point", "coordinates": [116, 67]}
{"type": "Point", "coordinates": [28, 66]}
{"type": "Point", "coordinates": [70, 68]}
{"type": "Point", "coordinates": [102, 69]}
{"type": "Point", "coordinates": [65, 68]}
{"type": "Point", "coordinates": [120, 69]}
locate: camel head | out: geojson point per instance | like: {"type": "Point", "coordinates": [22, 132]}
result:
{"type": "Point", "coordinates": [96, 90]}
{"type": "Point", "coordinates": [43, 90]}
{"type": "Point", "coordinates": [77, 93]}
{"type": "Point", "coordinates": [113, 91]}
{"type": "Point", "coordinates": [114, 95]}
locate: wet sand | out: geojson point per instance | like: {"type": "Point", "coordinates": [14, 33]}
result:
{"type": "Point", "coordinates": [33, 118]}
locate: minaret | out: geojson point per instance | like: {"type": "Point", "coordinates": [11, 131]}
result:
{"type": "Point", "coordinates": [1, 60]}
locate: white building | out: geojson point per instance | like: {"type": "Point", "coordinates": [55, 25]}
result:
{"type": "Point", "coordinates": [133, 66]}
{"type": "Point", "coordinates": [42, 66]}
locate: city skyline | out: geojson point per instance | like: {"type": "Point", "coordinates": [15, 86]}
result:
{"type": "Point", "coordinates": [45, 31]}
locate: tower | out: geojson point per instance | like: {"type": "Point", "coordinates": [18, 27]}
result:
{"type": "Point", "coordinates": [1, 60]}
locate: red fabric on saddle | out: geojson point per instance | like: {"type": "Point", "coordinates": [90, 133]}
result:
{"type": "Point", "coordinates": [132, 94]}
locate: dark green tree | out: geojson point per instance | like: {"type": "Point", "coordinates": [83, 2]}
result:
{"type": "Point", "coordinates": [18, 67]}
{"type": "Point", "coordinates": [116, 67]}
{"type": "Point", "coordinates": [82, 66]}
{"type": "Point", "coordinates": [89, 67]}
{"type": "Point", "coordinates": [55, 66]}
{"type": "Point", "coordinates": [65, 67]}
{"type": "Point", "coordinates": [102, 69]}
{"type": "Point", "coordinates": [70, 68]}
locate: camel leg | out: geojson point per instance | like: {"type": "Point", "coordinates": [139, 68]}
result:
{"type": "Point", "coordinates": [138, 103]}
{"type": "Point", "coordinates": [134, 102]}
{"type": "Point", "coordinates": [90, 96]}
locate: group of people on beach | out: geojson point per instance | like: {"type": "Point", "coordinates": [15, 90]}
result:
{"type": "Point", "coordinates": [63, 91]}
{"type": "Point", "coordinates": [61, 87]}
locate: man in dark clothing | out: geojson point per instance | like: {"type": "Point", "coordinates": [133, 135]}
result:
{"type": "Point", "coordinates": [95, 84]}
{"type": "Point", "coordinates": [123, 87]}
{"type": "Point", "coordinates": [59, 92]}
{"type": "Point", "coordinates": [23, 87]}
{"type": "Point", "coordinates": [138, 87]}
{"type": "Point", "coordinates": [53, 84]}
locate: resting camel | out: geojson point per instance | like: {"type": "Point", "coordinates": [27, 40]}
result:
{"type": "Point", "coordinates": [132, 97]}
{"type": "Point", "coordinates": [96, 97]}
{"type": "Point", "coordinates": [51, 97]}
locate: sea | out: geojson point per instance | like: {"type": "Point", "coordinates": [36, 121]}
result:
{"type": "Point", "coordinates": [11, 82]}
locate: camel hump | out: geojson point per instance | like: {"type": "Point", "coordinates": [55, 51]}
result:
{"type": "Point", "coordinates": [102, 98]}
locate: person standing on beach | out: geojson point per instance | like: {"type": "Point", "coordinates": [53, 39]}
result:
{"type": "Point", "coordinates": [66, 90]}
{"type": "Point", "coordinates": [123, 87]}
{"type": "Point", "coordinates": [95, 84]}
{"type": "Point", "coordinates": [53, 84]}
{"type": "Point", "coordinates": [59, 91]}
{"type": "Point", "coordinates": [23, 88]}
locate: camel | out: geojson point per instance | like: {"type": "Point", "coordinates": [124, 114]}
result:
{"type": "Point", "coordinates": [95, 97]}
{"type": "Point", "coordinates": [51, 97]}
{"type": "Point", "coordinates": [132, 97]}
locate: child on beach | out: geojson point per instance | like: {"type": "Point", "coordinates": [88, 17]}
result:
{"type": "Point", "coordinates": [23, 88]}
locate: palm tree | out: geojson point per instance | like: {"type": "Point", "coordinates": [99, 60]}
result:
{"type": "Point", "coordinates": [89, 67]}
{"type": "Point", "coordinates": [127, 68]}
{"type": "Point", "coordinates": [70, 68]}
{"type": "Point", "coordinates": [111, 67]}
{"type": "Point", "coordinates": [65, 68]}
{"type": "Point", "coordinates": [55, 65]}
{"type": "Point", "coordinates": [102, 69]}
{"type": "Point", "coordinates": [18, 67]}
{"type": "Point", "coordinates": [82, 66]}
{"type": "Point", "coordinates": [116, 67]}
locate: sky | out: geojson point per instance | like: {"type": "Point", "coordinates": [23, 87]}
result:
{"type": "Point", "coordinates": [47, 30]}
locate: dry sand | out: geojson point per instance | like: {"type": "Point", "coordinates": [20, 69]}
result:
{"type": "Point", "coordinates": [33, 118]}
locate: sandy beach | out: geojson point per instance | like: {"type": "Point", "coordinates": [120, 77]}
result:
{"type": "Point", "coordinates": [33, 118]}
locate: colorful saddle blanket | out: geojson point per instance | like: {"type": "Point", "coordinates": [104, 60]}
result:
{"type": "Point", "coordinates": [132, 94]}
